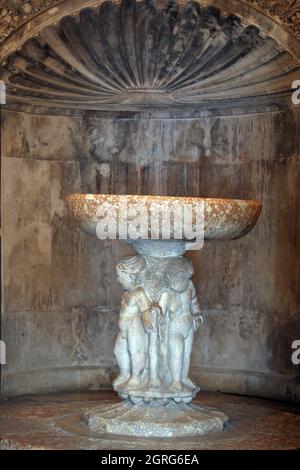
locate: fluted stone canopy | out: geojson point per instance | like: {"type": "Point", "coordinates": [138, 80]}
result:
{"type": "Point", "coordinates": [145, 53]}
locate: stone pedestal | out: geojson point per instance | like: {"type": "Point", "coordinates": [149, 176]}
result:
{"type": "Point", "coordinates": [159, 314]}
{"type": "Point", "coordinates": [160, 311]}
{"type": "Point", "coordinates": [154, 420]}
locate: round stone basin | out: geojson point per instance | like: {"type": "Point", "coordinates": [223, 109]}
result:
{"type": "Point", "coordinates": [224, 219]}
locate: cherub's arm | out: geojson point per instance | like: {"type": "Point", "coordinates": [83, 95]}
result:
{"type": "Point", "coordinates": [143, 300]}
{"type": "Point", "coordinates": [163, 302]}
{"type": "Point", "coordinates": [149, 311]}
{"type": "Point", "coordinates": [195, 307]}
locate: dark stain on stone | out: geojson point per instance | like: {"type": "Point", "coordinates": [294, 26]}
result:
{"type": "Point", "coordinates": [285, 134]}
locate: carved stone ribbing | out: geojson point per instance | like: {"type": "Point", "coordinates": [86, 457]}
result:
{"type": "Point", "coordinates": [140, 54]}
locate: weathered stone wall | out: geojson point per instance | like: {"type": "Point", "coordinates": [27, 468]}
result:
{"type": "Point", "coordinates": [61, 296]}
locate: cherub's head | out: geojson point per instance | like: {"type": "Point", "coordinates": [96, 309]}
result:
{"type": "Point", "coordinates": [179, 273]}
{"type": "Point", "coordinates": [128, 270]}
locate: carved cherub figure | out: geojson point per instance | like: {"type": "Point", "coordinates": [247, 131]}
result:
{"type": "Point", "coordinates": [132, 342]}
{"type": "Point", "coordinates": [180, 304]}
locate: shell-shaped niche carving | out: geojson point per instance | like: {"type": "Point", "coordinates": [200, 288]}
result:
{"type": "Point", "coordinates": [145, 53]}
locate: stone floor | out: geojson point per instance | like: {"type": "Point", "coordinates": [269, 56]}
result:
{"type": "Point", "coordinates": [54, 422]}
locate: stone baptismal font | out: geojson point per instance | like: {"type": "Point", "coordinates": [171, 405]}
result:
{"type": "Point", "coordinates": [160, 311]}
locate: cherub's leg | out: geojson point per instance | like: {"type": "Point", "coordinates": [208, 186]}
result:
{"type": "Point", "coordinates": [153, 353]}
{"type": "Point", "coordinates": [123, 360]}
{"type": "Point", "coordinates": [175, 353]}
{"type": "Point", "coordinates": [186, 359]}
{"type": "Point", "coordinates": [137, 347]}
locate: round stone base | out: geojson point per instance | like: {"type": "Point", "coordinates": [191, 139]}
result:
{"type": "Point", "coordinates": [162, 397]}
{"type": "Point", "coordinates": [154, 420]}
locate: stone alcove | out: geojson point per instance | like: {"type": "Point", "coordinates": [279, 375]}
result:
{"type": "Point", "coordinates": [187, 98]}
